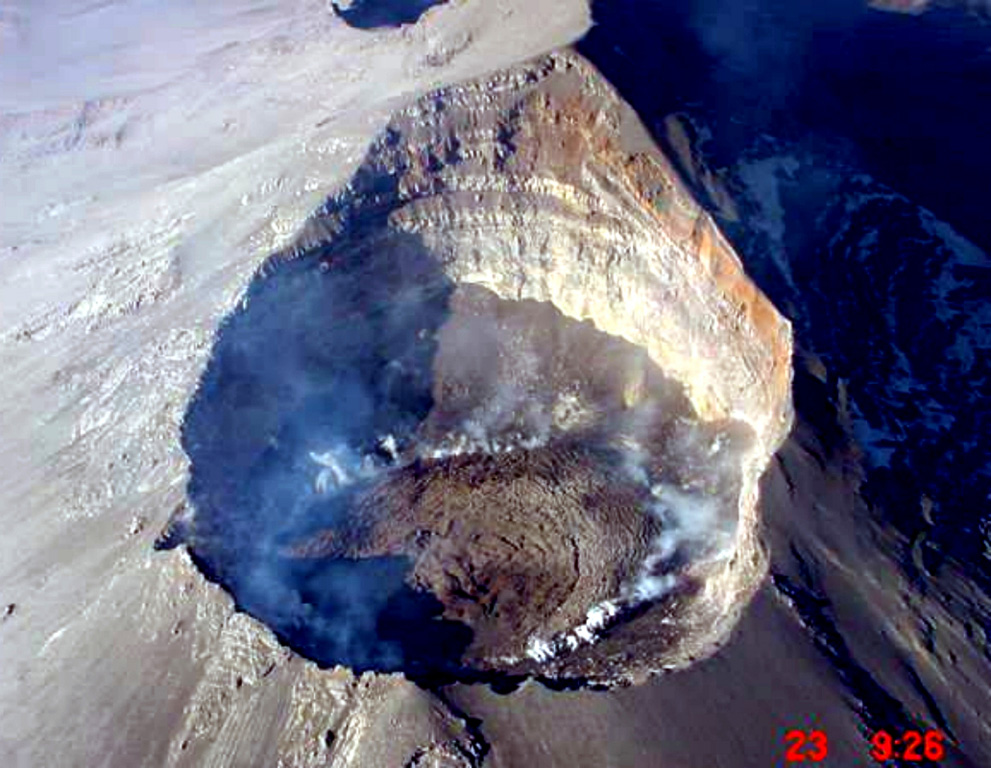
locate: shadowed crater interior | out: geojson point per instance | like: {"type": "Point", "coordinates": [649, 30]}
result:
{"type": "Point", "coordinates": [397, 473]}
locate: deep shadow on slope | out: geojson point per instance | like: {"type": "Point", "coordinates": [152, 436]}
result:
{"type": "Point", "coordinates": [911, 93]}
{"type": "Point", "coordinates": [372, 14]}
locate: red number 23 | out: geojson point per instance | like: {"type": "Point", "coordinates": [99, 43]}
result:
{"type": "Point", "coordinates": [811, 746]}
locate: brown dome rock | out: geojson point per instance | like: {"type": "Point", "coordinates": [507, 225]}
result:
{"type": "Point", "coordinates": [513, 545]}
{"type": "Point", "coordinates": [511, 386]}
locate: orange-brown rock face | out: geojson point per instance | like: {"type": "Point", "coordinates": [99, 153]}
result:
{"type": "Point", "coordinates": [509, 397]}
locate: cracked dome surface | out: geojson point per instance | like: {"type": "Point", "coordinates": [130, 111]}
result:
{"type": "Point", "coordinates": [501, 409]}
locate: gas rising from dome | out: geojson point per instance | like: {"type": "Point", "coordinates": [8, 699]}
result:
{"type": "Point", "coordinates": [501, 409]}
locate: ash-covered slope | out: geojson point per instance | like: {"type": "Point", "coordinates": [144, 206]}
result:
{"type": "Point", "coordinates": [502, 407]}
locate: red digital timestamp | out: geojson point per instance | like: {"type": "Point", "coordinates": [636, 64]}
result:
{"type": "Point", "coordinates": [911, 746]}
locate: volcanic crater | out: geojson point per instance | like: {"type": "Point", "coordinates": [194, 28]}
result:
{"type": "Point", "coordinates": [501, 408]}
